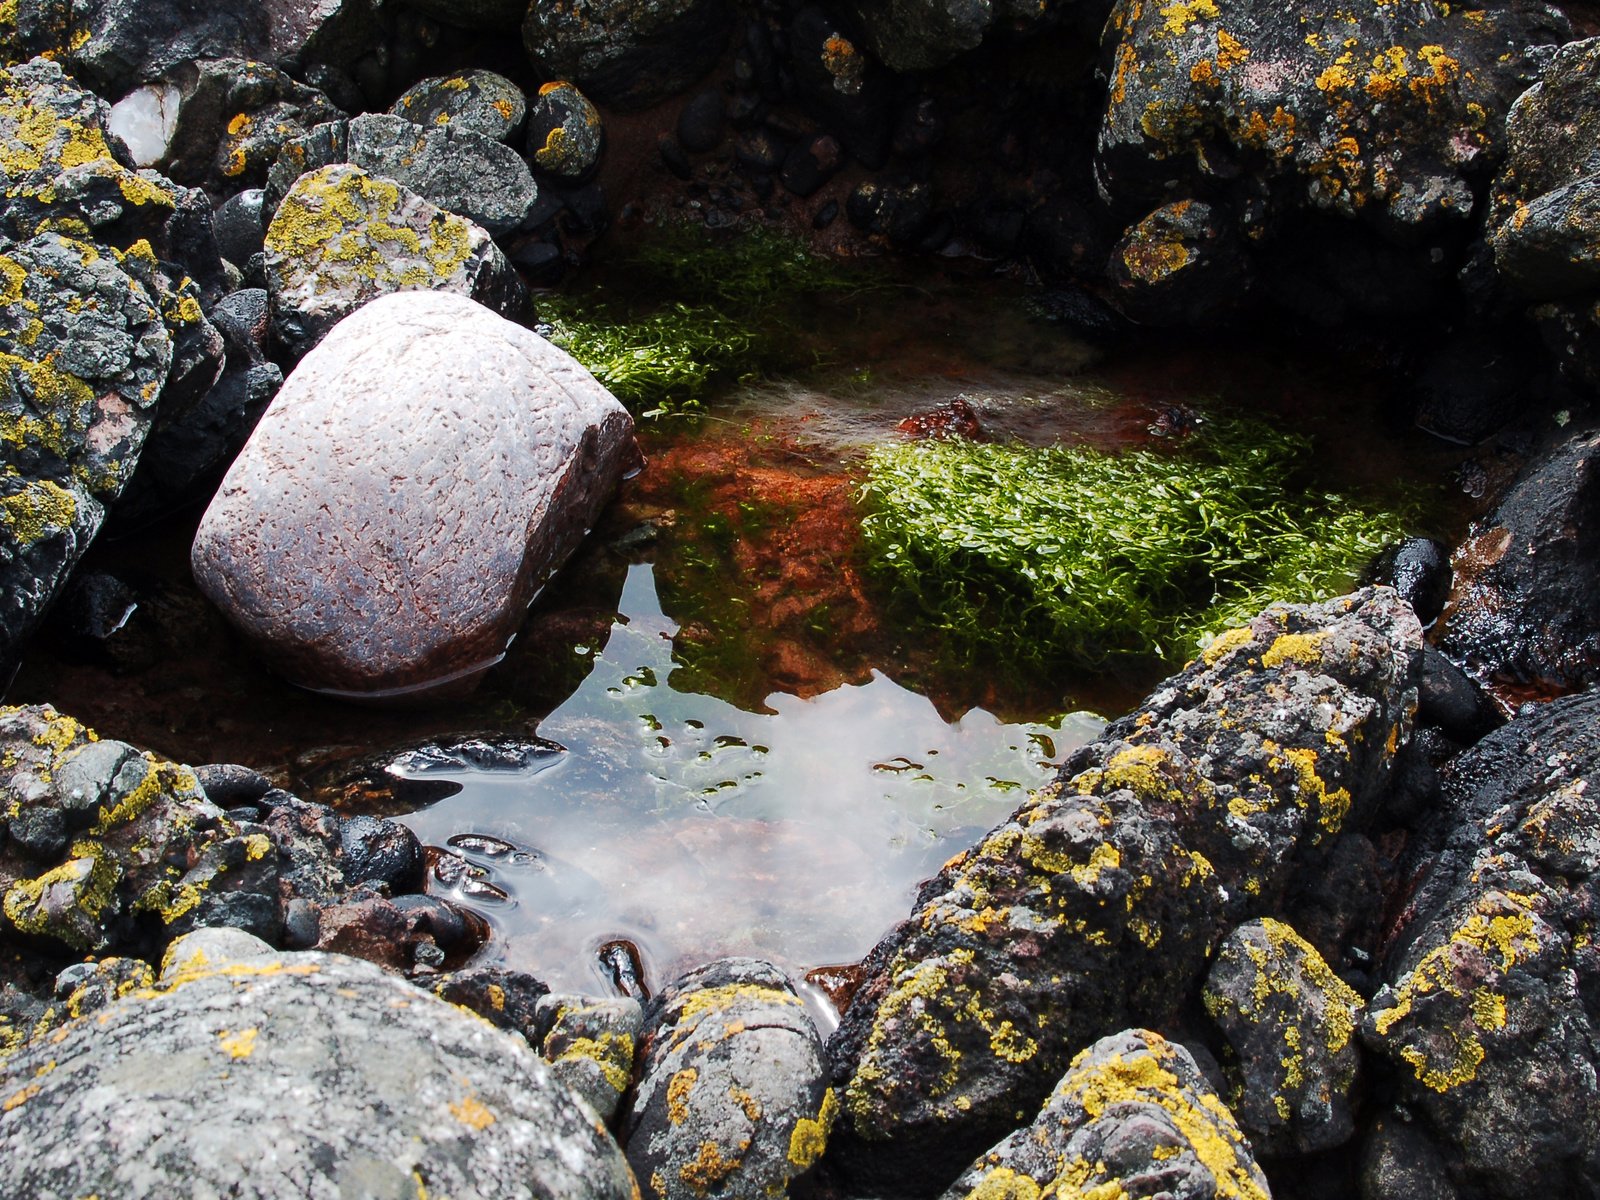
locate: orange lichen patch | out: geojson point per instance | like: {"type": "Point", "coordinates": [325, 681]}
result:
{"type": "Point", "coordinates": [238, 1045]}
{"type": "Point", "coordinates": [1230, 51]}
{"type": "Point", "coordinates": [472, 1112]}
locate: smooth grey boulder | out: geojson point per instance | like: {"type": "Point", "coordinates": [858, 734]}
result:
{"type": "Point", "coordinates": [342, 237]}
{"type": "Point", "coordinates": [420, 475]}
{"type": "Point", "coordinates": [733, 1097]}
{"type": "Point", "coordinates": [295, 1075]}
{"type": "Point", "coordinates": [1133, 1116]}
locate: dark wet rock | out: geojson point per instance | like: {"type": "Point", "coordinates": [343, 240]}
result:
{"type": "Point", "coordinates": [627, 54]}
{"type": "Point", "coordinates": [506, 999]}
{"type": "Point", "coordinates": [229, 784]}
{"type": "Point", "coordinates": [342, 237]}
{"type": "Point", "coordinates": [108, 848]}
{"type": "Point", "coordinates": [591, 1045]}
{"type": "Point", "coordinates": [916, 35]}
{"type": "Point", "coordinates": [703, 121]}
{"type": "Point", "coordinates": [474, 101]}
{"type": "Point", "coordinates": [90, 613]}
{"type": "Point", "coordinates": [1419, 569]}
{"type": "Point", "coordinates": [1544, 214]}
{"type": "Point", "coordinates": [1525, 578]}
{"type": "Point", "coordinates": [241, 226]}
{"type": "Point", "coordinates": [1095, 906]}
{"type": "Point", "coordinates": [380, 851]}
{"type": "Point", "coordinates": [86, 355]}
{"type": "Point", "coordinates": [843, 86]}
{"type": "Point", "coordinates": [733, 1094]}
{"type": "Point", "coordinates": [565, 134]}
{"type": "Point", "coordinates": [1182, 264]}
{"type": "Point", "coordinates": [531, 448]}
{"type": "Point", "coordinates": [1335, 902]}
{"type": "Point", "coordinates": [400, 933]}
{"type": "Point", "coordinates": [623, 965]}
{"type": "Point", "coordinates": [234, 118]}
{"type": "Point", "coordinates": [1133, 1116]}
{"type": "Point", "coordinates": [1386, 114]}
{"type": "Point", "coordinates": [760, 150]}
{"type": "Point", "coordinates": [87, 987]}
{"type": "Point", "coordinates": [293, 1051]}
{"type": "Point", "coordinates": [900, 213]}
{"type": "Point", "coordinates": [1487, 1019]}
{"type": "Point", "coordinates": [1447, 698]}
{"type": "Point", "coordinates": [1475, 384]}
{"type": "Point", "coordinates": [495, 16]}
{"type": "Point", "coordinates": [809, 165]}
{"type": "Point", "coordinates": [462, 172]}
{"type": "Point", "coordinates": [1399, 1161]}
{"type": "Point", "coordinates": [1290, 1023]}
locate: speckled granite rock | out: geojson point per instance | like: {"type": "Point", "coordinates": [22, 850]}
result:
{"type": "Point", "coordinates": [289, 1075]}
{"type": "Point", "coordinates": [733, 1097]}
{"type": "Point", "coordinates": [342, 237]}
{"type": "Point", "coordinates": [460, 459]}
{"type": "Point", "coordinates": [1098, 902]}
{"type": "Point", "coordinates": [1132, 1117]}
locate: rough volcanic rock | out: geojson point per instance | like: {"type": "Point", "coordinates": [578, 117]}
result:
{"type": "Point", "coordinates": [565, 134]}
{"type": "Point", "coordinates": [475, 101]}
{"type": "Point", "coordinates": [84, 355]}
{"type": "Point", "coordinates": [1526, 577]}
{"type": "Point", "coordinates": [733, 1096]}
{"type": "Point", "coordinates": [627, 54]}
{"type": "Point", "coordinates": [1291, 1024]}
{"type": "Point", "coordinates": [1133, 1116]}
{"type": "Point", "coordinates": [356, 1081]}
{"type": "Point", "coordinates": [1488, 1017]}
{"type": "Point", "coordinates": [1544, 214]}
{"type": "Point", "coordinates": [1386, 113]}
{"type": "Point", "coordinates": [462, 172]}
{"type": "Point", "coordinates": [342, 237]}
{"type": "Point", "coordinates": [591, 1045]}
{"type": "Point", "coordinates": [233, 118]}
{"type": "Point", "coordinates": [1097, 903]}
{"type": "Point", "coordinates": [460, 459]}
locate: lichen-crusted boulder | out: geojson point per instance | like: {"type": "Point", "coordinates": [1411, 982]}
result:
{"type": "Point", "coordinates": [342, 237]}
{"type": "Point", "coordinates": [84, 355]}
{"type": "Point", "coordinates": [1133, 1116]}
{"type": "Point", "coordinates": [591, 1045]}
{"type": "Point", "coordinates": [1487, 1020]}
{"type": "Point", "coordinates": [1096, 904]}
{"type": "Point", "coordinates": [421, 474]}
{"type": "Point", "coordinates": [110, 848]}
{"type": "Point", "coordinates": [316, 1075]}
{"type": "Point", "coordinates": [1179, 265]}
{"type": "Point", "coordinates": [733, 1097]}
{"type": "Point", "coordinates": [1521, 611]}
{"type": "Point", "coordinates": [627, 54]}
{"type": "Point", "coordinates": [1290, 1023]}
{"type": "Point", "coordinates": [461, 171]}
{"type": "Point", "coordinates": [1544, 212]}
{"type": "Point", "coordinates": [1388, 113]}
{"type": "Point", "coordinates": [477, 101]}
{"type": "Point", "coordinates": [565, 134]}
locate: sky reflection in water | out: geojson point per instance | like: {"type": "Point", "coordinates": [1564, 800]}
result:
{"type": "Point", "coordinates": [697, 830]}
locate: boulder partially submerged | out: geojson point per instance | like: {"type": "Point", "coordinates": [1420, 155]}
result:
{"type": "Point", "coordinates": [420, 475]}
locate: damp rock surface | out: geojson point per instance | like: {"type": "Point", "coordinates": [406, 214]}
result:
{"type": "Point", "coordinates": [421, 473]}
{"type": "Point", "coordinates": [293, 1052]}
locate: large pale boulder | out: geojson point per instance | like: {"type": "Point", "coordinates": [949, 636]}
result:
{"type": "Point", "coordinates": [420, 475]}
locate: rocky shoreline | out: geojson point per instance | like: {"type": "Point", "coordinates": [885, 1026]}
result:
{"type": "Point", "coordinates": [1315, 919]}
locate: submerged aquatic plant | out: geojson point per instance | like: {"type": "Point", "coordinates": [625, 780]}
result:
{"type": "Point", "coordinates": [1074, 554]}
{"type": "Point", "coordinates": [699, 306]}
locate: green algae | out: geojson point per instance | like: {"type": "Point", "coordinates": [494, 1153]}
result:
{"type": "Point", "coordinates": [1074, 555]}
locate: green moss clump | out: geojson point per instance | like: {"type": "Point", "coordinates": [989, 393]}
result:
{"type": "Point", "coordinates": [725, 319]}
{"type": "Point", "coordinates": [1073, 555]}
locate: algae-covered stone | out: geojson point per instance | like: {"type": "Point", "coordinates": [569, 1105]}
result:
{"type": "Point", "coordinates": [459, 460]}
{"type": "Point", "coordinates": [109, 848]}
{"type": "Point", "coordinates": [315, 1075]}
{"type": "Point", "coordinates": [475, 101]}
{"type": "Point", "coordinates": [1291, 1024]}
{"type": "Point", "coordinates": [1095, 905]}
{"type": "Point", "coordinates": [591, 1045]}
{"type": "Point", "coordinates": [461, 171]}
{"type": "Point", "coordinates": [1487, 1020]}
{"type": "Point", "coordinates": [565, 134]}
{"type": "Point", "coordinates": [342, 237]}
{"type": "Point", "coordinates": [1133, 1116]}
{"type": "Point", "coordinates": [627, 54]}
{"type": "Point", "coordinates": [733, 1097]}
